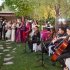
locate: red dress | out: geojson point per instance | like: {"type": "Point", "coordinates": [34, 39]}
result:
{"type": "Point", "coordinates": [26, 33]}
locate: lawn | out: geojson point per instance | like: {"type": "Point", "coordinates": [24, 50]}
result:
{"type": "Point", "coordinates": [26, 60]}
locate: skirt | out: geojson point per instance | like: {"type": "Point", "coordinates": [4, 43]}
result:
{"type": "Point", "coordinates": [36, 47]}
{"type": "Point", "coordinates": [8, 34]}
{"type": "Point", "coordinates": [18, 35]}
{"type": "Point", "coordinates": [13, 35]}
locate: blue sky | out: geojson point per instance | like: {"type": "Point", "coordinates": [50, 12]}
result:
{"type": "Point", "coordinates": [1, 1]}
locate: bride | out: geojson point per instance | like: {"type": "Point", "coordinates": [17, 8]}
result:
{"type": "Point", "coordinates": [13, 26]}
{"type": "Point", "coordinates": [8, 33]}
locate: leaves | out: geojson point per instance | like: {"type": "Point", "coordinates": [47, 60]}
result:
{"type": "Point", "coordinates": [39, 9]}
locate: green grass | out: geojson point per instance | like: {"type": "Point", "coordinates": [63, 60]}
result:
{"type": "Point", "coordinates": [28, 60]}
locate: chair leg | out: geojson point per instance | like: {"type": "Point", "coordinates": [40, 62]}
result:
{"type": "Point", "coordinates": [50, 51]}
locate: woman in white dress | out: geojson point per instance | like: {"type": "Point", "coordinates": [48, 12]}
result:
{"type": "Point", "coordinates": [13, 31]}
{"type": "Point", "coordinates": [8, 33]}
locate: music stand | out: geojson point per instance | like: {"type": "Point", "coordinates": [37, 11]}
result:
{"type": "Point", "coordinates": [25, 46]}
{"type": "Point", "coordinates": [42, 55]}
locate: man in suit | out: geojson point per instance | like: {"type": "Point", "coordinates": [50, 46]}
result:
{"type": "Point", "coordinates": [1, 28]}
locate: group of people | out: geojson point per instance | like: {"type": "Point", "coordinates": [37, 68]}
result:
{"type": "Point", "coordinates": [13, 30]}
{"type": "Point", "coordinates": [60, 45]}
{"type": "Point", "coordinates": [45, 39]}
{"type": "Point", "coordinates": [57, 41]}
{"type": "Point", "coordinates": [7, 29]}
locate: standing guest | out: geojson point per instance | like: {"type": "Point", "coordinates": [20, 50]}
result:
{"type": "Point", "coordinates": [33, 27]}
{"type": "Point", "coordinates": [23, 29]}
{"type": "Point", "coordinates": [28, 27]}
{"type": "Point", "coordinates": [4, 28]}
{"type": "Point", "coordinates": [45, 38]}
{"type": "Point", "coordinates": [30, 44]}
{"type": "Point", "coordinates": [26, 30]}
{"type": "Point", "coordinates": [36, 39]}
{"type": "Point", "coordinates": [31, 33]}
{"type": "Point", "coordinates": [13, 31]}
{"type": "Point", "coordinates": [1, 28]}
{"type": "Point", "coordinates": [24, 34]}
{"type": "Point", "coordinates": [18, 27]}
{"type": "Point", "coordinates": [45, 34]}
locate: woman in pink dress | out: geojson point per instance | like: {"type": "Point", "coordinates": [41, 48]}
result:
{"type": "Point", "coordinates": [18, 32]}
{"type": "Point", "coordinates": [13, 31]}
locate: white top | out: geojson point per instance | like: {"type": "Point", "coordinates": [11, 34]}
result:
{"type": "Point", "coordinates": [13, 26]}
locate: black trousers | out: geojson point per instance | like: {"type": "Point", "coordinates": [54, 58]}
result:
{"type": "Point", "coordinates": [30, 45]}
{"type": "Point", "coordinates": [4, 32]}
{"type": "Point", "coordinates": [62, 57]}
{"type": "Point", "coordinates": [0, 33]}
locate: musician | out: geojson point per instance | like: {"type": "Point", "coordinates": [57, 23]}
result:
{"type": "Point", "coordinates": [66, 53]}
{"type": "Point", "coordinates": [60, 35]}
{"type": "Point", "coordinates": [58, 38]}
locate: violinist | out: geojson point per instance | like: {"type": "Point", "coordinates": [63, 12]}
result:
{"type": "Point", "coordinates": [66, 52]}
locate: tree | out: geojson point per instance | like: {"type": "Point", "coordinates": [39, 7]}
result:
{"type": "Point", "coordinates": [20, 7]}
{"type": "Point", "coordinates": [41, 9]}
{"type": "Point", "coordinates": [34, 8]}
{"type": "Point", "coordinates": [2, 6]}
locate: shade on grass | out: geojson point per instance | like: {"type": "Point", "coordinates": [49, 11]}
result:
{"type": "Point", "coordinates": [28, 60]}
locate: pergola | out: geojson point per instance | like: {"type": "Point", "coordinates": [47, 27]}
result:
{"type": "Point", "coordinates": [9, 15]}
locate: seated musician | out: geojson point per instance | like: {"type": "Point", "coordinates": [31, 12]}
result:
{"type": "Point", "coordinates": [66, 53]}
{"type": "Point", "coordinates": [60, 36]}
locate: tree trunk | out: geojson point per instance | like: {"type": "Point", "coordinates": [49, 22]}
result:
{"type": "Point", "coordinates": [57, 10]}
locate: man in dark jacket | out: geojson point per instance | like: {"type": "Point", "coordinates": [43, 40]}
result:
{"type": "Point", "coordinates": [4, 29]}
{"type": "Point", "coordinates": [1, 28]}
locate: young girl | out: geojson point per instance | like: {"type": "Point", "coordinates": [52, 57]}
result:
{"type": "Point", "coordinates": [36, 39]}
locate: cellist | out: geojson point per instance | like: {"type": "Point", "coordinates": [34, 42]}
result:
{"type": "Point", "coordinates": [66, 53]}
{"type": "Point", "coordinates": [61, 34]}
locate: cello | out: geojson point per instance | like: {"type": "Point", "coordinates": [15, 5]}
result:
{"type": "Point", "coordinates": [62, 46]}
